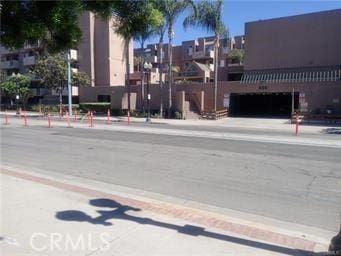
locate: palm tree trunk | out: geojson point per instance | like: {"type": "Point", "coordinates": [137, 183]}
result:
{"type": "Point", "coordinates": [170, 59]}
{"type": "Point", "coordinates": [216, 50]}
{"type": "Point", "coordinates": [127, 41]}
{"type": "Point", "coordinates": [160, 76]}
{"type": "Point", "coordinates": [142, 76]}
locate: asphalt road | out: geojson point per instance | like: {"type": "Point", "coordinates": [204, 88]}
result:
{"type": "Point", "coordinates": [300, 184]}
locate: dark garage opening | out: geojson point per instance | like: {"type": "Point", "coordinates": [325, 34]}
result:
{"type": "Point", "coordinates": [262, 104]}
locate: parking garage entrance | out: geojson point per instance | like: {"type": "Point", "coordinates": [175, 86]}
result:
{"type": "Point", "coordinates": [277, 104]}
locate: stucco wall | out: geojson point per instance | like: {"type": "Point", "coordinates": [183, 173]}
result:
{"type": "Point", "coordinates": [296, 41]}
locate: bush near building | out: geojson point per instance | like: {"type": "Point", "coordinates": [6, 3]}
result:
{"type": "Point", "coordinates": [98, 107]}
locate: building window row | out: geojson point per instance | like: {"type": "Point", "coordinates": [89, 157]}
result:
{"type": "Point", "coordinates": [292, 77]}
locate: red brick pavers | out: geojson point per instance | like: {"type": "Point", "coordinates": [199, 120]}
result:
{"type": "Point", "coordinates": [183, 213]}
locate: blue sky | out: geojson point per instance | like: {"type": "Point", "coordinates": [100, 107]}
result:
{"type": "Point", "coordinates": [236, 13]}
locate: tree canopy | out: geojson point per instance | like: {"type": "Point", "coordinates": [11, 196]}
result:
{"type": "Point", "coordinates": [236, 55]}
{"type": "Point", "coordinates": [54, 23]}
{"type": "Point", "coordinates": [52, 71]}
{"type": "Point", "coordinates": [17, 84]}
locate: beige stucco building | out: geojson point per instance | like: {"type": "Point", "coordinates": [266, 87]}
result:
{"type": "Point", "coordinates": [101, 53]}
{"type": "Point", "coordinates": [291, 64]}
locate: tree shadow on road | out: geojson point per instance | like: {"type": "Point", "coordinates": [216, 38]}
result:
{"type": "Point", "coordinates": [119, 211]}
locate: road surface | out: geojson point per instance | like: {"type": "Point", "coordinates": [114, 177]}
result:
{"type": "Point", "coordinates": [299, 184]}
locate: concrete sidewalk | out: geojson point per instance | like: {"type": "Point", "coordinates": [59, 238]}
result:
{"type": "Point", "coordinates": [44, 215]}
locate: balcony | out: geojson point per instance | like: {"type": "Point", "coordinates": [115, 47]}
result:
{"type": "Point", "coordinates": [9, 64]}
{"type": "Point", "coordinates": [29, 61]}
{"type": "Point", "coordinates": [152, 59]}
{"type": "Point", "coordinates": [189, 74]}
{"type": "Point", "coordinates": [203, 55]}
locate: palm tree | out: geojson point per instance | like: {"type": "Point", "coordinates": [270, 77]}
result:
{"type": "Point", "coordinates": [171, 10]}
{"type": "Point", "coordinates": [142, 37]}
{"type": "Point", "coordinates": [132, 18]}
{"type": "Point", "coordinates": [209, 17]}
{"type": "Point", "coordinates": [161, 32]}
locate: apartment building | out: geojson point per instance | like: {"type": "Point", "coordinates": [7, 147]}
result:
{"type": "Point", "coordinates": [291, 64]}
{"type": "Point", "coordinates": [101, 55]}
{"type": "Point", "coordinates": [194, 59]}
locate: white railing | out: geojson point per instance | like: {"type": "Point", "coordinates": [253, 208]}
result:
{"type": "Point", "coordinates": [30, 60]}
{"type": "Point", "coordinates": [9, 64]}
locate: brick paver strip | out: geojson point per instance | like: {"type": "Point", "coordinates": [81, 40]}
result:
{"type": "Point", "coordinates": [182, 213]}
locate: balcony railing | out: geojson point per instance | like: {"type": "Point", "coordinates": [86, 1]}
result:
{"type": "Point", "coordinates": [203, 54]}
{"type": "Point", "coordinates": [30, 60]}
{"type": "Point", "coordinates": [184, 74]}
{"type": "Point", "coordinates": [152, 59]}
{"type": "Point", "coordinates": [9, 64]}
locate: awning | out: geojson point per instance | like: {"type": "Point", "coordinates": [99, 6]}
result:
{"type": "Point", "coordinates": [292, 76]}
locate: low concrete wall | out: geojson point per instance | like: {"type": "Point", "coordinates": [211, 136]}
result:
{"type": "Point", "coordinates": [318, 96]}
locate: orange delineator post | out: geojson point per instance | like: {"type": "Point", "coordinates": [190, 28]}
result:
{"type": "Point", "coordinates": [88, 117]}
{"type": "Point", "coordinates": [49, 120]}
{"type": "Point", "coordinates": [6, 117]}
{"type": "Point", "coordinates": [128, 117]}
{"type": "Point", "coordinates": [25, 118]}
{"type": "Point", "coordinates": [91, 120]}
{"type": "Point", "coordinates": [297, 123]}
{"type": "Point", "coordinates": [108, 117]}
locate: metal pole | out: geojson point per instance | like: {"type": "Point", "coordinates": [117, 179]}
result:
{"type": "Point", "coordinates": [69, 81]}
{"type": "Point", "coordinates": [148, 96]}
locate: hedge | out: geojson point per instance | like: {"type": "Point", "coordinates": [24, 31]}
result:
{"type": "Point", "coordinates": [99, 107]}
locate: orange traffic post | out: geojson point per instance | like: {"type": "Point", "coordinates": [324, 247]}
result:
{"type": "Point", "coordinates": [91, 120]}
{"type": "Point", "coordinates": [49, 120]}
{"type": "Point", "coordinates": [25, 118]}
{"type": "Point", "coordinates": [6, 117]}
{"type": "Point", "coordinates": [108, 117]}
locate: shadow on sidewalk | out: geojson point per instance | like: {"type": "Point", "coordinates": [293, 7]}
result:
{"type": "Point", "coordinates": [120, 212]}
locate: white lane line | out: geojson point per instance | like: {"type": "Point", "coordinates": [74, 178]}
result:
{"type": "Point", "coordinates": [229, 136]}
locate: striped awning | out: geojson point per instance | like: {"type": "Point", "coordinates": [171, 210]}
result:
{"type": "Point", "coordinates": [291, 76]}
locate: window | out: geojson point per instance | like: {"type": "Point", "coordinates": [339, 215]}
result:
{"type": "Point", "coordinates": [190, 51]}
{"type": "Point", "coordinates": [222, 63]}
{"type": "Point", "coordinates": [103, 98]}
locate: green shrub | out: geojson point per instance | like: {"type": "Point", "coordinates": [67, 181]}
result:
{"type": "Point", "coordinates": [177, 115]}
{"type": "Point", "coordinates": [99, 107]}
{"type": "Point", "coordinates": [117, 112]}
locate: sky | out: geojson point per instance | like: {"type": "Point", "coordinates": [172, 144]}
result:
{"type": "Point", "coordinates": [237, 12]}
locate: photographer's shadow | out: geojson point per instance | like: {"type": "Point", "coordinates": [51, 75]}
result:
{"type": "Point", "coordinates": [119, 211]}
